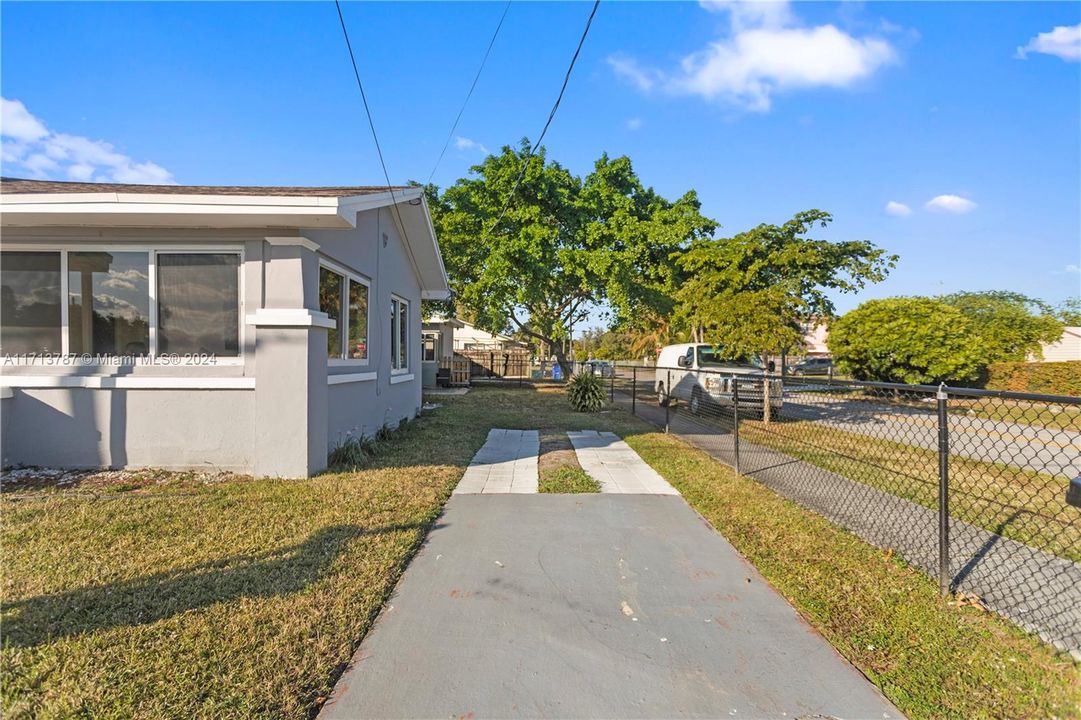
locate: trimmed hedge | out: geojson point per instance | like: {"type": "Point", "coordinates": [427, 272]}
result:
{"type": "Point", "coordinates": [1053, 378]}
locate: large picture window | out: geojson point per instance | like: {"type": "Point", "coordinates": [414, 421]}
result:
{"type": "Point", "coordinates": [109, 303]}
{"type": "Point", "coordinates": [344, 298]}
{"type": "Point", "coordinates": [399, 334]}
{"type": "Point", "coordinates": [198, 303]}
{"type": "Point", "coordinates": [120, 302]}
{"type": "Point", "coordinates": [30, 308]}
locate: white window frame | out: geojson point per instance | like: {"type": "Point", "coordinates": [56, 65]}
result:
{"type": "Point", "coordinates": [396, 335]}
{"type": "Point", "coordinates": [349, 277]}
{"type": "Point", "coordinates": [435, 337]}
{"type": "Point", "coordinates": [152, 252]}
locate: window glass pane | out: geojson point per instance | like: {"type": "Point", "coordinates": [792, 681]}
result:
{"type": "Point", "coordinates": [109, 303]}
{"type": "Point", "coordinates": [30, 302]}
{"type": "Point", "coordinates": [358, 321]}
{"type": "Point", "coordinates": [394, 334]}
{"type": "Point", "coordinates": [330, 302]}
{"type": "Point", "coordinates": [403, 334]}
{"type": "Point", "coordinates": [429, 348]}
{"type": "Point", "coordinates": [198, 303]}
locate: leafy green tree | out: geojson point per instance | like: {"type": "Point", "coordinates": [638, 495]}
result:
{"type": "Point", "coordinates": [750, 293]}
{"type": "Point", "coordinates": [916, 340]}
{"type": "Point", "coordinates": [1009, 326]}
{"type": "Point", "coordinates": [563, 245]}
{"type": "Point", "coordinates": [1069, 312]}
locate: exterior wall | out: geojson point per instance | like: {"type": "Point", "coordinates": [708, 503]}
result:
{"type": "Point", "coordinates": [1066, 349]}
{"type": "Point", "coordinates": [90, 428]}
{"type": "Point", "coordinates": [364, 397]}
{"type": "Point", "coordinates": [277, 409]}
{"type": "Point", "coordinates": [159, 426]}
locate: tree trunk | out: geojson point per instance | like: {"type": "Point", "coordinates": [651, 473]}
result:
{"type": "Point", "coordinates": [561, 357]}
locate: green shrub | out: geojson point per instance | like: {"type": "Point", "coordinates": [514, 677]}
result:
{"type": "Point", "coordinates": [586, 393]}
{"type": "Point", "coordinates": [350, 454]}
{"type": "Point", "coordinates": [906, 340]}
{"type": "Point", "coordinates": [1053, 378]}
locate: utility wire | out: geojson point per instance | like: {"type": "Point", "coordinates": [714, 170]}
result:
{"type": "Point", "coordinates": [472, 87]}
{"type": "Point", "coordinates": [551, 116]}
{"type": "Point", "coordinates": [371, 123]}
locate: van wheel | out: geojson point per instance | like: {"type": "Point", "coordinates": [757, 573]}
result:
{"type": "Point", "coordinates": [696, 402]}
{"type": "Point", "coordinates": [662, 396]}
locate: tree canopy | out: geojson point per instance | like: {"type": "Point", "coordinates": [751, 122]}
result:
{"type": "Point", "coordinates": [1008, 326]}
{"type": "Point", "coordinates": [563, 244]}
{"type": "Point", "coordinates": [750, 293]}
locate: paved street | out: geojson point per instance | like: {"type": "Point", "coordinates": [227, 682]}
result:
{"type": "Point", "coordinates": [1049, 450]}
{"type": "Point", "coordinates": [603, 605]}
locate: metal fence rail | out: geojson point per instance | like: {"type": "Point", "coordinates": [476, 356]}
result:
{"type": "Point", "coordinates": [971, 486]}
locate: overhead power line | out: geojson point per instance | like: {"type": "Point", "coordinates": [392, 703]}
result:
{"type": "Point", "coordinates": [551, 116]}
{"type": "Point", "coordinates": [371, 123]}
{"type": "Point", "coordinates": [472, 87]}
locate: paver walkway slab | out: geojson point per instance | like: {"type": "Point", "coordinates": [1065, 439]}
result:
{"type": "Point", "coordinates": [506, 463]}
{"type": "Point", "coordinates": [613, 464]}
{"type": "Point", "coordinates": [605, 606]}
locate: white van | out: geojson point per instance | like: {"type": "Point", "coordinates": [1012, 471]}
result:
{"type": "Point", "coordinates": [702, 374]}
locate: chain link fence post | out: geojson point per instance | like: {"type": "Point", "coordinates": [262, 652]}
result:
{"type": "Point", "coordinates": [612, 386]}
{"type": "Point", "coordinates": [634, 389]}
{"type": "Point", "coordinates": [667, 399]}
{"type": "Point", "coordinates": [735, 421]}
{"type": "Point", "coordinates": [943, 491]}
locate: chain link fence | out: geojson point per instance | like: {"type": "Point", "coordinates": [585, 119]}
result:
{"type": "Point", "coordinates": [980, 489]}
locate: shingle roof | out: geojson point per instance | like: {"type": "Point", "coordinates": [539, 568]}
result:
{"type": "Point", "coordinates": [18, 185]}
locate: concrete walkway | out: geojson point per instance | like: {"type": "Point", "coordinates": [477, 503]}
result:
{"type": "Point", "coordinates": [612, 463]}
{"type": "Point", "coordinates": [604, 606]}
{"type": "Point", "coordinates": [506, 463]}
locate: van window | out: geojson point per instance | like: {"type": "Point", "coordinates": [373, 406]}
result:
{"type": "Point", "coordinates": [716, 356]}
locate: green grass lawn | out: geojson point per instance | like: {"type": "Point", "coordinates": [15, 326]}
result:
{"type": "Point", "coordinates": [568, 479]}
{"type": "Point", "coordinates": [1020, 504]}
{"type": "Point", "coordinates": [173, 597]}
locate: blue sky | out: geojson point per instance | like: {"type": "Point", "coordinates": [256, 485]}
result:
{"type": "Point", "coordinates": [764, 110]}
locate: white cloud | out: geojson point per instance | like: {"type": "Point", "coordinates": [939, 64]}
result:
{"type": "Point", "coordinates": [633, 123]}
{"type": "Point", "coordinates": [17, 123]}
{"type": "Point", "coordinates": [30, 146]}
{"type": "Point", "coordinates": [628, 69]}
{"type": "Point", "coordinates": [464, 143]}
{"type": "Point", "coordinates": [1064, 42]}
{"type": "Point", "coordinates": [897, 209]}
{"type": "Point", "coordinates": [1073, 269]}
{"type": "Point", "coordinates": [954, 204]}
{"type": "Point", "coordinates": [758, 13]}
{"type": "Point", "coordinates": [764, 54]}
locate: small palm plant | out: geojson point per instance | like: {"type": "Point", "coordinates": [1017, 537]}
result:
{"type": "Point", "coordinates": [586, 393]}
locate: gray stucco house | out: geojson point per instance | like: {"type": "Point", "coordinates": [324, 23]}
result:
{"type": "Point", "coordinates": [240, 328]}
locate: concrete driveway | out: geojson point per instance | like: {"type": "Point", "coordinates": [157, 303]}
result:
{"type": "Point", "coordinates": [599, 606]}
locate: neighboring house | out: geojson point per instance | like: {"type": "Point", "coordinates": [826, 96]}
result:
{"type": "Point", "coordinates": [815, 335]}
{"type": "Point", "coordinates": [1068, 347]}
{"type": "Point", "coordinates": [458, 335]}
{"type": "Point", "coordinates": [437, 343]}
{"type": "Point", "coordinates": [241, 328]}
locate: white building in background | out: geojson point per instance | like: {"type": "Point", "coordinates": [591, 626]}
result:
{"type": "Point", "coordinates": [815, 335]}
{"type": "Point", "coordinates": [1067, 348]}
